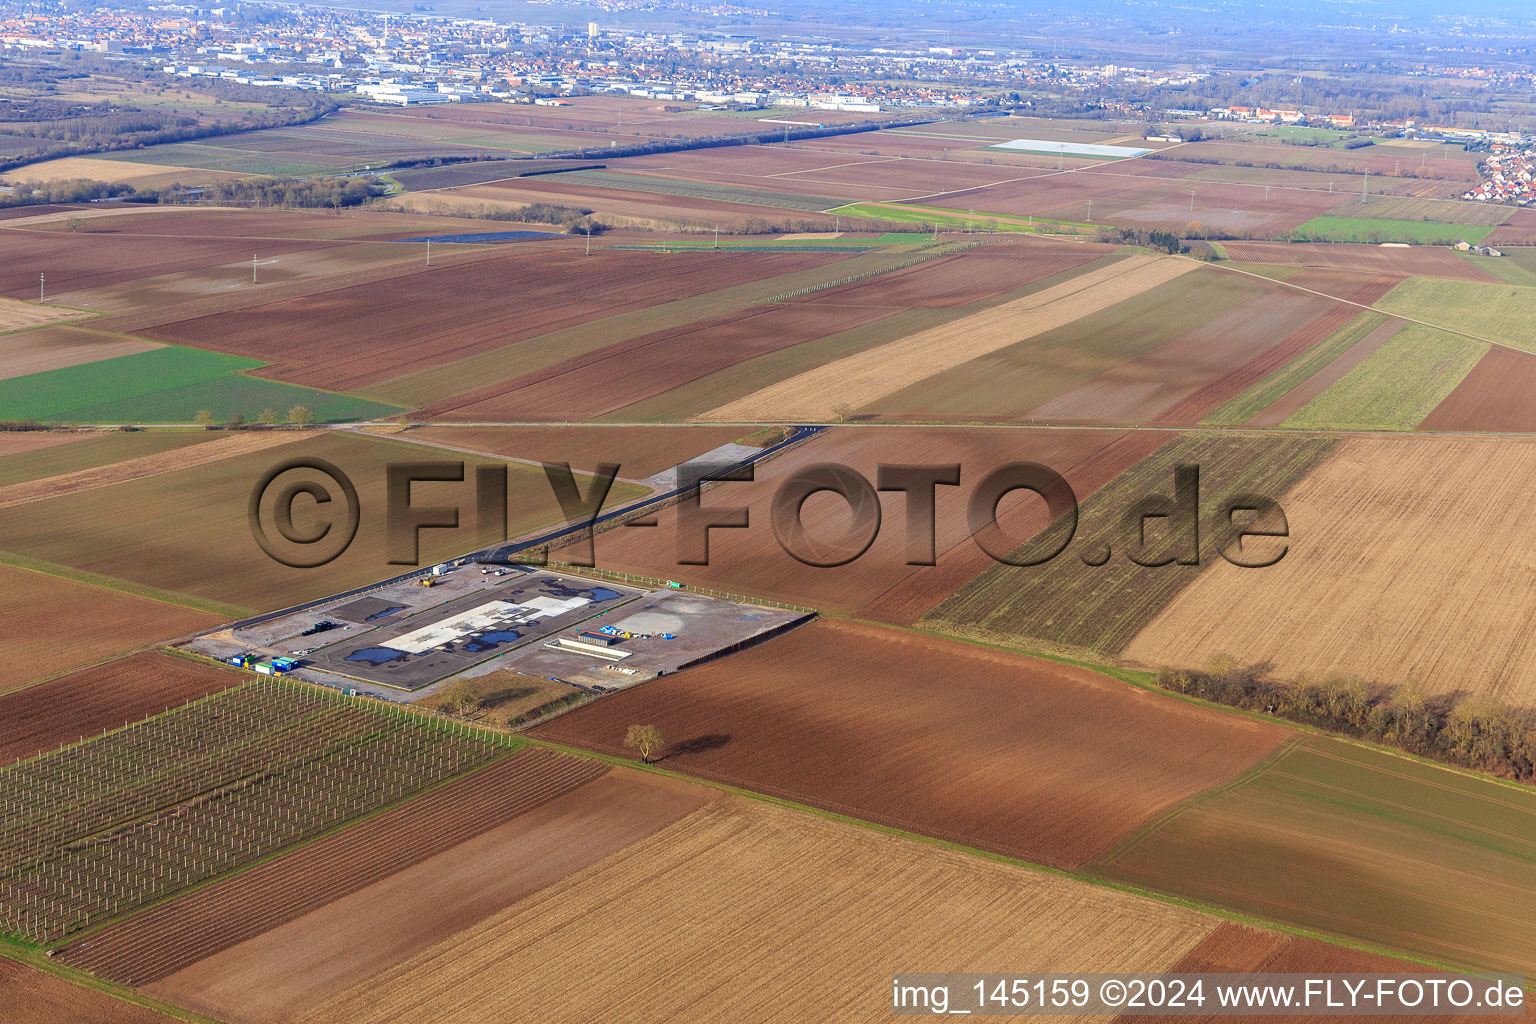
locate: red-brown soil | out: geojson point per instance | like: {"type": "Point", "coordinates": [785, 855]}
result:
{"type": "Point", "coordinates": [1237, 949]}
{"type": "Point", "coordinates": [95, 700]}
{"type": "Point", "coordinates": [31, 996]}
{"type": "Point", "coordinates": [16, 442]}
{"type": "Point", "coordinates": [971, 744]}
{"type": "Point", "coordinates": [1359, 288]}
{"type": "Point", "coordinates": [958, 280]}
{"type": "Point", "coordinates": [601, 382]}
{"type": "Point", "coordinates": [1413, 261]}
{"type": "Point", "coordinates": [356, 336]}
{"type": "Point", "coordinates": [91, 260]}
{"type": "Point", "coordinates": [167, 938]}
{"type": "Point", "coordinates": [639, 451]}
{"type": "Point", "coordinates": [633, 203]}
{"type": "Point", "coordinates": [282, 973]}
{"type": "Point", "coordinates": [879, 583]}
{"type": "Point", "coordinates": [1496, 395]}
{"type": "Point", "coordinates": [1520, 229]}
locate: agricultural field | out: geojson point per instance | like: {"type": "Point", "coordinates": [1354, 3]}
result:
{"type": "Point", "coordinates": [20, 316]}
{"type": "Point", "coordinates": [52, 348]}
{"type": "Point", "coordinates": [859, 728]}
{"type": "Point", "coordinates": [1072, 604]}
{"type": "Point", "coordinates": [102, 697]}
{"type": "Point", "coordinates": [1412, 261]}
{"type": "Point", "coordinates": [45, 635]}
{"type": "Point", "coordinates": [35, 455]}
{"type": "Point", "coordinates": [1494, 312]}
{"type": "Point", "coordinates": [1397, 386]}
{"type": "Point", "coordinates": [406, 322]}
{"type": "Point", "coordinates": [639, 452]}
{"type": "Point", "coordinates": [1401, 570]}
{"type": "Point", "coordinates": [1283, 395]}
{"type": "Point", "coordinates": [285, 762]}
{"type": "Point", "coordinates": [32, 996]}
{"type": "Point", "coordinates": [169, 384]}
{"type": "Point", "coordinates": [1492, 397]}
{"type": "Point", "coordinates": [202, 509]}
{"type": "Point", "coordinates": [1410, 209]}
{"type": "Point", "coordinates": [880, 584]}
{"type": "Point", "coordinates": [1355, 843]}
{"type": "Point", "coordinates": [1332, 228]}
{"type": "Point", "coordinates": [764, 896]}
{"type": "Point", "coordinates": [862, 381]}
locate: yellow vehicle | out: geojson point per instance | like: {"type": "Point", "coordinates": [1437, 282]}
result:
{"type": "Point", "coordinates": [428, 581]}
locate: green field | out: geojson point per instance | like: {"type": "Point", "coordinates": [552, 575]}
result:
{"type": "Point", "coordinates": [1374, 230]}
{"type": "Point", "coordinates": [168, 385]}
{"type": "Point", "coordinates": [1369, 846]}
{"type": "Point", "coordinates": [1498, 312]}
{"type": "Point", "coordinates": [90, 452]}
{"type": "Point", "coordinates": [186, 531]}
{"type": "Point", "coordinates": [1510, 271]}
{"type": "Point", "coordinates": [949, 220]}
{"type": "Point", "coordinates": [1397, 386]}
{"type": "Point", "coordinates": [1261, 395]}
{"type": "Point", "coordinates": [1067, 605]}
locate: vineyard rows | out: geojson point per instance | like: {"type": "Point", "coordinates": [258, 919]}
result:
{"type": "Point", "coordinates": [90, 831]}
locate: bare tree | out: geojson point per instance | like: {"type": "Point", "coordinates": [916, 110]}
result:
{"type": "Point", "coordinates": [842, 412]}
{"type": "Point", "coordinates": [643, 738]}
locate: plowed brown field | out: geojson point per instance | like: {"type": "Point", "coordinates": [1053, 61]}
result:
{"type": "Point", "coordinates": [30, 996]}
{"type": "Point", "coordinates": [1409, 561]}
{"type": "Point", "coordinates": [283, 973]}
{"type": "Point", "coordinates": [53, 624]}
{"type": "Point", "coordinates": [751, 912]}
{"type": "Point", "coordinates": [979, 746]}
{"type": "Point", "coordinates": [597, 383]}
{"type": "Point", "coordinates": [371, 332]}
{"type": "Point", "coordinates": [165, 939]}
{"type": "Point", "coordinates": [1414, 261]}
{"type": "Point", "coordinates": [95, 700]}
{"type": "Point", "coordinates": [880, 583]}
{"type": "Point", "coordinates": [639, 452]}
{"type": "Point", "coordinates": [1496, 395]}
{"type": "Point", "coordinates": [17, 442]}
{"type": "Point", "coordinates": [50, 348]}
{"type": "Point", "coordinates": [961, 279]}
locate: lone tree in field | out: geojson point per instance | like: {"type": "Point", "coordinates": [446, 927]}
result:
{"type": "Point", "coordinates": [267, 417]}
{"type": "Point", "coordinates": [204, 417]}
{"type": "Point", "coordinates": [842, 412]}
{"type": "Point", "coordinates": [301, 416]}
{"type": "Point", "coordinates": [644, 738]}
{"type": "Point", "coordinates": [461, 699]}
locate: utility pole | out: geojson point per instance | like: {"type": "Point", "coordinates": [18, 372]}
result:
{"type": "Point", "coordinates": [41, 293]}
{"type": "Point", "coordinates": [429, 252]}
{"type": "Point", "coordinates": [589, 240]}
{"type": "Point", "coordinates": [253, 268]}
{"type": "Point", "coordinates": [717, 236]}
{"type": "Point", "coordinates": [1090, 211]}
{"type": "Point", "coordinates": [1365, 187]}
{"type": "Point", "coordinates": [1266, 193]}
{"type": "Point", "coordinates": [1191, 201]}
{"type": "Point", "coordinates": [837, 223]}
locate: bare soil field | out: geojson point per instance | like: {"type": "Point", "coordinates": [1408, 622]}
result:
{"type": "Point", "coordinates": [961, 279]}
{"type": "Point", "coordinates": [639, 452]}
{"type": "Point", "coordinates": [18, 316]}
{"type": "Point", "coordinates": [1016, 755]}
{"type": "Point", "coordinates": [242, 443]}
{"type": "Point", "coordinates": [20, 442]}
{"type": "Point", "coordinates": [1494, 396]}
{"type": "Point", "coordinates": [864, 379]}
{"type": "Point", "coordinates": [44, 619]}
{"type": "Point", "coordinates": [87, 260]}
{"type": "Point", "coordinates": [1414, 261]}
{"type": "Point", "coordinates": [94, 700]}
{"type": "Point", "coordinates": [880, 583]}
{"type": "Point", "coordinates": [282, 974]}
{"type": "Point", "coordinates": [1145, 389]}
{"type": "Point", "coordinates": [1520, 229]}
{"type": "Point", "coordinates": [1381, 163]}
{"type": "Point", "coordinates": [163, 940]}
{"type": "Point", "coordinates": [356, 336]}
{"type": "Point", "coordinates": [1408, 563]}
{"type": "Point", "coordinates": [50, 348]}
{"type": "Point", "coordinates": [31, 996]}
{"type": "Point", "coordinates": [608, 380]}
{"type": "Point", "coordinates": [139, 175]}
{"type": "Point", "coordinates": [645, 207]}
{"type": "Point", "coordinates": [799, 912]}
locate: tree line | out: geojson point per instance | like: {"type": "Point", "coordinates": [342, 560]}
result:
{"type": "Point", "coordinates": [1465, 730]}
